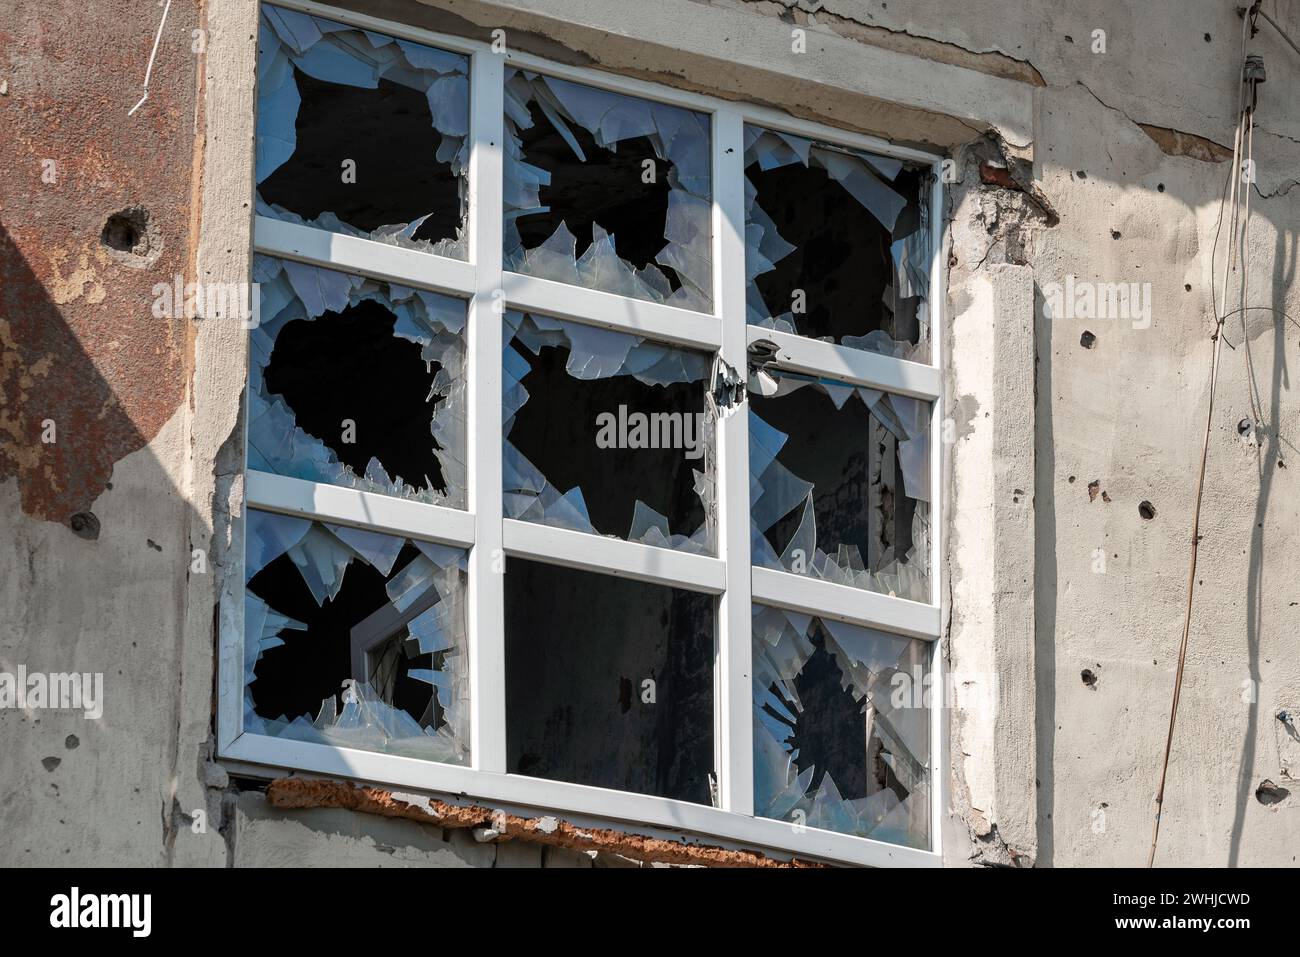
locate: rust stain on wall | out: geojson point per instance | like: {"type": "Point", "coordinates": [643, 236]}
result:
{"type": "Point", "coordinates": [87, 373]}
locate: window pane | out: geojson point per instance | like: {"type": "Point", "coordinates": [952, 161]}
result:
{"type": "Point", "coordinates": [355, 638]}
{"type": "Point", "coordinates": [840, 483]}
{"type": "Point", "coordinates": [837, 244]}
{"type": "Point", "coordinates": [358, 383]}
{"type": "Point", "coordinates": [841, 727]}
{"type": "Point", "coordinates": [607, 433]}
{"type": "Point", "coordinates": [607, 191]}
{"type": "Point", "coordinates": [361, 133]}
{"type": "Point", "coordinates": [609, 682]}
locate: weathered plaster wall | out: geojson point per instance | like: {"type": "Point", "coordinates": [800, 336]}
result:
{"type": "Point", "coordinates": [1057, 771]}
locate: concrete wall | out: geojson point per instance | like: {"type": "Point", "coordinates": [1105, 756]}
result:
{"type": "Point", "coordinates": [1116, 167]}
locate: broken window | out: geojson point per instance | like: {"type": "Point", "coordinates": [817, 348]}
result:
{"type": "Point", "coordinates": [357, 382]}
{"type": "Point", "coordinates": [355, 638]}
{"type": "Point", "coordinates": [607, 191]}
{"type": "Point", "coordinates": [609, 682]}
{"type": "Point", "coordinates": [841, 727]}
{"type": "Point", "coordinates": [595, 656]}
{"type": "Point", "coordinates": [840, 483]}
{"type": "Point", "coordinates": [361, 133]}
{"type": "Point", "coordinates": [608, 433]}
{"type": "Point", "coordinates": [837, 244]}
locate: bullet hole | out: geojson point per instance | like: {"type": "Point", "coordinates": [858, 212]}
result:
{"type": "Point", "coordinates": [1208, 38]}
{"type": "Point", "coordinates": [1015, 496]}
{"type": "Point", "coordinates": [1094, 489]}
{"type": "Point", "coordinates": [1105, 497]}
{"type": "Point", "coordinates": [51, 763]}
{"type": "Point", "coordinates": [152, 544]}
{"type": "Point", "coordinates": [350, 365]}
{"type": "Point", "coordinates": [1087, 340]}
{"type": "Point", "coordinates": [1187, 287]}
{"type": "Point", "coordinates": [1069, 39]}
{"type": "Point", "coordinates": [1160, 187]}
{"type": "Point", "coordinates": [1115, 234]}
{"type": "Point", "coordinates": [1269, 793]}
{"type": "Point", "coordinates": [1089, 678]}
{"type": "Point", "coordinates": [382, 130]}
{"type": "Point", "coordinates": [1147, 511]}
{"type": "Point", "coordinates": [85, 525]}
{"type": "Point", "coordinates": [1071, 480]}
{"type": "Point", "coordinates": [1081, 174]}
{"type": "Point", "coordinates": [71, 742]}
{"type": "Point", "coordinates": [1244, 427]}
{"type": "Point", "coordinates": [127, 232]}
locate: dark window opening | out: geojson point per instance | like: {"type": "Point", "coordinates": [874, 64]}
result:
{"type": "Point", "coordinates": [580, 649]}
{"type": "Point", "coordinates": [841, 260]}
{"type": "Point", "coordinates": [608, 189]}
{"type": "Point", "coordinates": [389, 133]}
{"type": "Point", "coordinates": [556, 430]}
{"type": "Point", "coordinates": [311, 666]}
{"type": "Point", "coordinates": [349, 365]}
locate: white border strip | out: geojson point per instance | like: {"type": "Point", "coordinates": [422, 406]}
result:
{"type": "Point", "coordinates": [553, 796]}
{"type": "Point", "coordinates": [857, 606]}
{"type": "Point", "coordinates": [320, 247]}
{"type": "Point", "coordinates": [650, 319]}
{"type": "Point", "coordinates": [349, 506]}
{"type": "Point", "coordinates": [613, 556]}
{"type": "Point", "coordinates": [854, 366]}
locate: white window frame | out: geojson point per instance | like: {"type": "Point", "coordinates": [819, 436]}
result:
{"type": "Point", "coordinates": [483, 530]}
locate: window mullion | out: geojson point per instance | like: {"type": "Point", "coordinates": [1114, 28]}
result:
{"type": "Point", "coordinates": [486, 591]}
{"type": "Point", "coordinates": [734, 650]}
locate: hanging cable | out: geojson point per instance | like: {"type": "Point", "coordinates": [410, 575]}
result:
{"type": "Point", "coordinates": [1243, 141]}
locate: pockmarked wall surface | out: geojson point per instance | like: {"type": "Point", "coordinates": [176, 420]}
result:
{"type": "Point", "coordinates": [1091, 145]}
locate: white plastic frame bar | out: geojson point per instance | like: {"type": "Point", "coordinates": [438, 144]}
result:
{"type": "Point", "coordinates": [614, 556]}
{"type": "Point", "coordinates": [490, 536]}
{"type": "Point", "coordinates": [550, 796]}
{"type": "Point", "coordinates": [349, 506]}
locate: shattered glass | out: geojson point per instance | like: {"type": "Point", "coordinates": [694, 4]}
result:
{"type": "Point", "coordinates": [358, 382]}
{"type": "Point", "coordinates": [840, 483]}
{"type": "Point", "coordinates": [837, 244]}
{"type": "Point", "coordinates": [607, 433]}
{"type": "Point", "coordinates": [356, 639]}
{"type": "Point", "coordinates": [361, 133]}
{"type": "Point", "coordinates": [607, 191]}
{"type": "Point", "coordinates": [841, 727]}
{"type": "Point", "coordinates": [609, 682]}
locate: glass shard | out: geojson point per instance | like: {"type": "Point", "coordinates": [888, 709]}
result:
{"type": "Point", "coordinates": [361, 133]}
{"type": "Point", "coordinates": [840, 484]}
{"type": "Point", "coordinates": [607, 191]}
{"type": "Point", "coordinates": [837, 244]}
{"type": "Point", "coordinates": [607, 433]}
{"type": "Point", "coordinates": [841, 727]}
{"type": "Point", "coordinates": [355, 639]}
{"type": "Point", "coordinates": [358, 382]}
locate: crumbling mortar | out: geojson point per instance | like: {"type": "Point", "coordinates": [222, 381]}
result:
{"type": "Point", "coordinates": [548, 830]}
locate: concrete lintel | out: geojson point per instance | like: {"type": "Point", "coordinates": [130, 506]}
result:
{"type": "Point", "coordinates": [742, 55]}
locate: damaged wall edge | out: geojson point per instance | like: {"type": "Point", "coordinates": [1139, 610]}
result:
{"type": "Point", "coordinates": [498, 826]}
{"type": "Point", "coordinates": [898, 96]}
